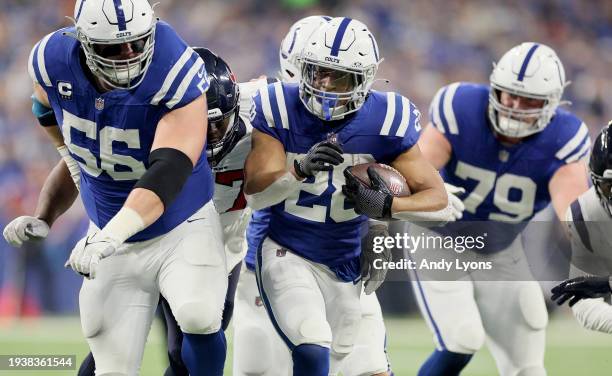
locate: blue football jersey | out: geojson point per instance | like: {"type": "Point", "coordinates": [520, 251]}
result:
{"type": "Point", "coordinates": [503, 183]}
{"type": "Point", "coordinates": [316, 222]}
{"type": "Point", "coordinates": [111, 134]}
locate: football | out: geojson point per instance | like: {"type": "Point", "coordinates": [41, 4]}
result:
{"type": "Point", "coordinates": [395, 181]}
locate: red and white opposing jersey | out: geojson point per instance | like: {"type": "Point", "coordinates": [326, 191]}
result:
{"type": "Point", "coordinates": [229, 182]}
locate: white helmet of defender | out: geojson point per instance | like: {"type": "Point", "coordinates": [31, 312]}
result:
{"type": "Point", "coordinates": [338, 66]}
{"type": "Point", "coordinates": [529, 70]}
{"type": "Point", "coordinates": [106, 28]}
{"type": "Point", "coordinates": [293, 43]}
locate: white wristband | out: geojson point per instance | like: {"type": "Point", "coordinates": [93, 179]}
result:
{"type": "Point", "coordinates": [126, 223]}
{"type": "Point", "coordinates": [375, 222]}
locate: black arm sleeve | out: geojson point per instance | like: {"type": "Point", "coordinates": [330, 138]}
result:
{"type": "Point", "coordinates": [168, 171]}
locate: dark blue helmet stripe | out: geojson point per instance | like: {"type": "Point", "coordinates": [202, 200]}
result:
{"type": "Point", "coordinates": [293, 39]}
{"type": "Point", "coordinates": [559, 72]}
{"type": "Point", "coordinates": [521, 74]}
{"type": "Point", "coordinates": [80, 9]}
{"type": "Point", "coordinates": [339, 35]}
{"type": "Point", "coordinates": [120, 15]}
{"type": "Point", "coordinates": [374, 46]}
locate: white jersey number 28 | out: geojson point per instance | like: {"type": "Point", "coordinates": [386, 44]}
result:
{"type": "Point", "coordinates": [318, 213]}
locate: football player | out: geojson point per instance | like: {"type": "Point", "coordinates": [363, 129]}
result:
{"type": "Point", "coordinates": [304, 137]}
{"type": "Point", "coordinates": [128, 94]}
{"type": "Point", "coordinates": [257, 347]}
{"type": "Point", "coordinates": [228, 142]}
{"type": "Point", "coordinates": [514, 151]}
{"type": "Point", "coordinates": [588, 219]}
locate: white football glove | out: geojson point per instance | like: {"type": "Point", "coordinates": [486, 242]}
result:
{"type": "Point", "coordinates": [88, 252]}
{"type": "Point", "coordinates": [455, 202]}
{"type": "Point", "coordinates": [25, 228]}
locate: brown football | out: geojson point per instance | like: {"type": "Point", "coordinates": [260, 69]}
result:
{"type": "Point", "coordinates": [394, 180]}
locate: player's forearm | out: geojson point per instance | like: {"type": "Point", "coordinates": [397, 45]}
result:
{"type": "Point", "coordinates": [594, 314]}
{"type": "Point", "coordinates": [57, 195]}
{"type": "Point", "coordinates": [431, 199]}
{"type": "Point", "coordinates": [428, 200]}
{"type": "Point", "coordinates": [141, 209]}
{"type": "Point", "coordinates": [569, 182]}
{"type": "Point", "coordinates": [257, 182]}
{"type": "Point", "coordinates": [271, 188]}
{"type": "Point", "coordinates": [146, 203]}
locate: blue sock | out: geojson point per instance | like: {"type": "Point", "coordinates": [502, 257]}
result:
{"type": "Point", "coordinates": [310, 360]}
{"type": "Point", "coordinates": [444, 363]}
{"type": "Point", "coordinates": [204, 354]}
{"type": "Point", "coordinates": [88, 367]}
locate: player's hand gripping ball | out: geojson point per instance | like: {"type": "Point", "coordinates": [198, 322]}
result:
{"type": "Point", "coordinates": [371, 187]}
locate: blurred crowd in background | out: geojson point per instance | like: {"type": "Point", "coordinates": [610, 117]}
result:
{"type": "Point", "coordinates": [425, 44]}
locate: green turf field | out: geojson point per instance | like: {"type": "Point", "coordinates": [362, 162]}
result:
{"type": "Point", "coordinates": [571, 350]}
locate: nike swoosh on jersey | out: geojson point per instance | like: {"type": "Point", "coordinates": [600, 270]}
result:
{"type": "Point", "coordinates": [195, 219]}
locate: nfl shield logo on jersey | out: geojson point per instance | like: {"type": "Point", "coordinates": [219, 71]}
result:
{"type": "Point", "coordinates": [99, 104]}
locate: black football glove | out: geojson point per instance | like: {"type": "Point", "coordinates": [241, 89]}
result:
{"type": "Point", "coordinates": [373, 202]}
{"type": "Point", "coordinates": [323, 156]}
{"type": "Point", "coordinates": [372, 277]}
{"type": "Point", "coordinates": [585, 287]}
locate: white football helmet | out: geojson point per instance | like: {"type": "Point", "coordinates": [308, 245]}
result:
{"type": "Point", "coordinates": [293, 43]}
{"type": "Point", "coordinates": [338, 66]}
{"type": "Point", "coordinates": [106, 28]}
{"type": "Point", "coordinates": [530, 70]}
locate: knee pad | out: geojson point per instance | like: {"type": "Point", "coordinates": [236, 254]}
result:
{"type": "Point", "coordinates": [467, 337]}
{"type": "Point", "coordinates": [255, 357]}
{"type": "Point", "coordinates": [532, 306]}
{"type": "Point", "coordinates": [346, 333]}
{"type": "Point", "coordinates": [91, 311]}
{"type": "Point", "coordinates": [310, 360]}
{"type": "Point", "coordinates": [532, 371]}
{"type": "Point", "coordinates": [315, 331]}
{"type": "Point", "coordinates": [199, 317]}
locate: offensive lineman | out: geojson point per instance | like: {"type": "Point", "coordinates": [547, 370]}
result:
{"type": "Point", "coordinates": [258, 349]}
{"type": "Point", "coordinates": [513, 151]}
{"type": "Point", "coordinates": [137, 130]}
{"type": "Point", "coordinates": [228, 143]}
{"type": "Point", "coordinates": [303, 139]}
{"type": "Point", "coordinates": [588, 219]}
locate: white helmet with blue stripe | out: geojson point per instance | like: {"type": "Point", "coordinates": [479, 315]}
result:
{"type": "Point", "coordinates": [293, 43]}
{"type": "Point", "coordinates": [338, 66]}
{"type": "Point", "coordinates": [529, 70]}
{"type": "Point", "coordinates": [108, 29]}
